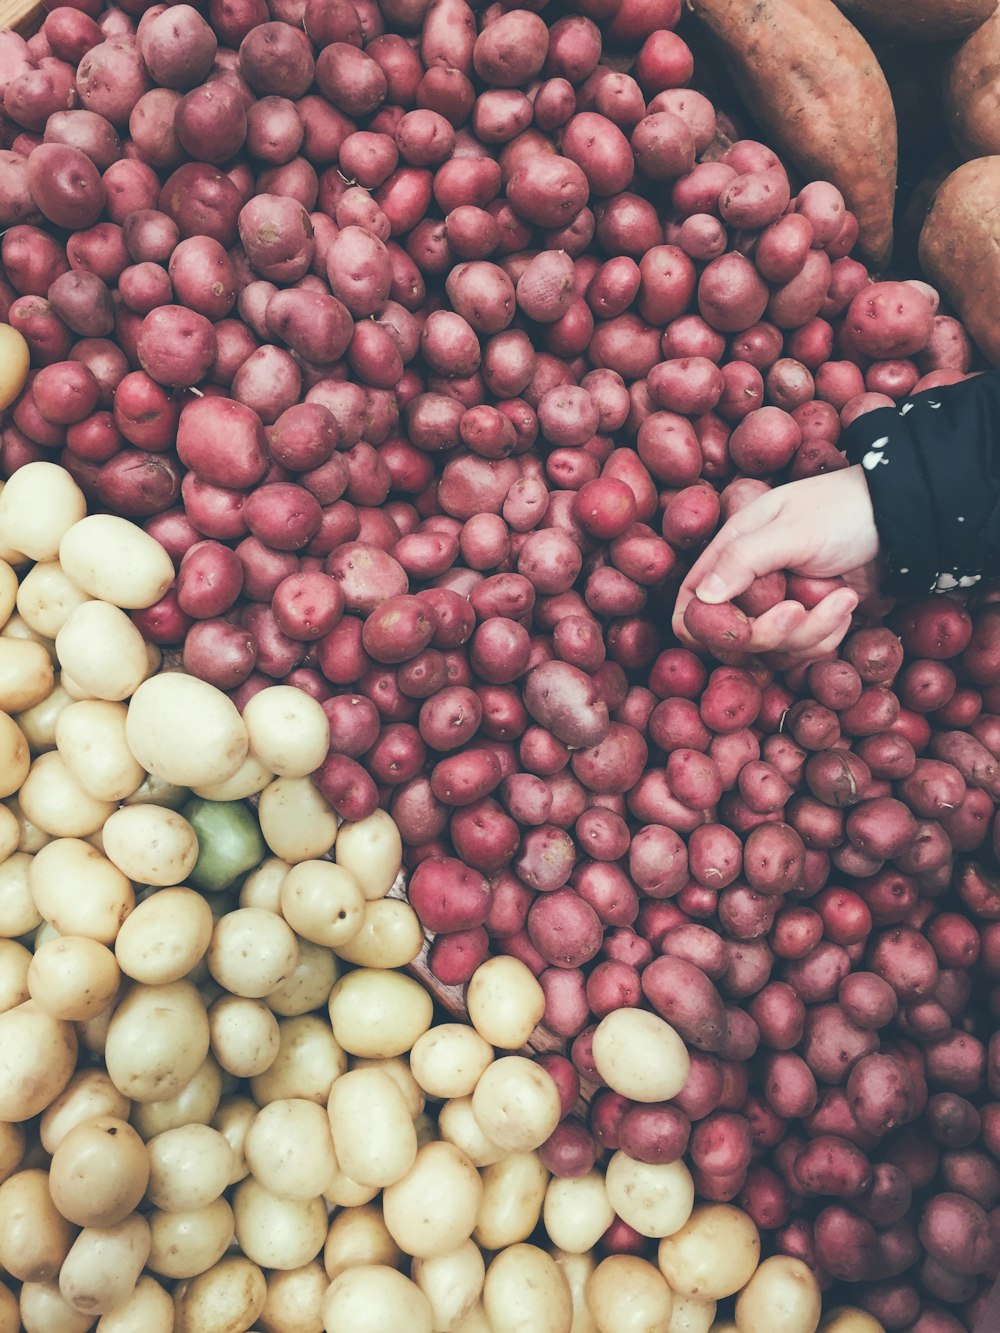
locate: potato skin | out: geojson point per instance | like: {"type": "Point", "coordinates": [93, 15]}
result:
{"type": "Point", "coordinates": [919, 20]}
{"type": "Point", "coordinates": [971, 89]}
{"type": "Point", "coordinates": [957, 249]}
{"type": "Point", "coordinates": [818, 90]}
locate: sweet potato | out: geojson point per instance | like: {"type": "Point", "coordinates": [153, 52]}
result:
{"type": "Point", "coordinates": [816, 87]}
{"type": "Point", "coordinates": [919, 20]}
{"type": "Point", "coordinates": [970, 91]}
{"type": "Point", "coordinates": [957, 248]}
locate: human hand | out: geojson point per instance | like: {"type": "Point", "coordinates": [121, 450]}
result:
{"type": "Point", "coordinates": [821, 527]}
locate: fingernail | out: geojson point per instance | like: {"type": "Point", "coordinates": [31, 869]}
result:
{"type": "Point", "coordinates": [711, 588]}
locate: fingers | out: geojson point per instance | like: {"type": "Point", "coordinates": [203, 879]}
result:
{"type": "Point", "coordinates": [819, 633]}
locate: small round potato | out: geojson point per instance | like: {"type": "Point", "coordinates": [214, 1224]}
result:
{"type": "Point", "coordinates": [195, 1104]}
{"type": "Point", "coordinates": [244, 1035]}
{"type": "Point", "coordinates": [157, 1039]}
{"type": "Point", "coordinates": [46, 597]}
{"type": "Point", "coordinates": [640, 1056]}
{"type": "Point", "coordinates": [98, 1174]}
{"type": "Point", "coordinates": [357, 1236]}
{"type": "Point", "coordinates": [184, 1244]}
{"type": "Point", "coordinates": [39, 503]}
{"type": "Point", "coordinates": [372, 850]}
{"type": "Point", "coordinates": [295, 1299]}
{"type": "Point", "coordinates": [15, 962]}
{"type": "Point", "coordinates": [322, 902]}
{"type": "Point", "coordinates": [250, 778]}
{"type": "Point", "coordinates": [452, 1282]}
{"type": "Point", "coordinates": [79, 891]}
{"type": "Point", "coordinates": [434, 1206]}
{"type": "Point", "coordinates": [116, 561]}
{"type": "Point", "coordinates": [234, 1285]}
{"type": "Point", "coordinates": [298, 824]}
{"type": "Point", "coordinates": [505, 1002]}
{"type": "Point", "coordinates": [19, 913]}
{"type": "Point", "coordinates": [783, 1296]}
{"type": "Point", "coordinates": [15, 759]}
{"type": "Point", "coordinates": [713, 1255]}
{"type": "Point", "coordinates": [9, 589]}
{"type": "Point", "coordinates": [517, 1103]}
{"type": "Point", "coordinates": [37, 1060]}
{"type": "Point", "coordinates": [90, 736]}
{"type": "Point", "coordinates": [449, 1059]}
{"type": "Point", "coordinates": [310, 983]}
{"type": "Point", "coordinates": [390, 936]}
{"type": "Point", "coordinates": [103, 653]}
{"type": "Point", "coordinates": [654, 1199]}
{"type": "Point", "coordinates": [34, 1236]}
{"type": "Point", "coordinates": [188, 1167]}
{"type": "Point", "coordinates": [53, 800]}
{"type": "Point", "coordinates": [276, 1232]}
{"type": "Point", "coordinates": [289, 1148]}
{"type": "Point", "coordinates": [309, 1059]}
{"type": "Point", "coordinates": [252, 952]}
{"type": "Point", "coordinates": [73, 977]}
{"type": "Point", "coordinates": [151, 844]}
{"type": "Point", "coordinates": [458, 1125]}
{"type": "Point", "coordinates": [378, 1012]}
{"type": "Point", "coordinates": [26, 673]}
{"type": "Point", "coordinates": [288, 730]}
{"type": "Point", "coordinates": [165, 937]}
{"type": "Point", "coordinates": [262, 886]}
{"type": "Point", "coordinates": [626, 1294]}
{"type": "Point", "coordinates": [184, 730]}
{"type": "Point", "coordinates": [577, 1212]}
{"type": "Point", "coordinates": [15, 361]}
{"type": "Point", "coordinates": [89, 1093]}
{"type": "Point", "coordinates": [38, 724]}
{"type": "Point", "coordinates": [373, 1133]}
{"type": "Point", "coordinates": [149, 1308]}
{"type": "Point", "coordinates": [525, 1290]}
{"type": "Point", "coordinates": [848, 1319]}
{"type": "Point", "coordinates": [373, 1298]}
{"type": "Point", "coordinates": [103, 1265]}
{"type": "Point", "coordinates": [513, 1195]}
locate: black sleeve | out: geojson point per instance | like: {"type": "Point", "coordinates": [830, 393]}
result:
{"type": "Point", "coordinates": [933, 470]}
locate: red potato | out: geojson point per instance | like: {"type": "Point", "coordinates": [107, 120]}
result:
{"type": "Point", "coordinates": [724, 630]}
{"type": "Point", "coordinates": [834, 1044]}
{"type": "Point", "coordinates": [565, 930]}
{"type": "Point", "coordinates": [955, 1231]}
{"type": "Point", "coordinates": [832, 1166]}
{"type": "Point", "coordinates": [601, 150]}
{"type": "Point", "coordinates": [111, 78]}
{"type": "Point", "coordinates": [657, 861]}
{"type": "Point", "coordinates": [448, 895]}
{"type": "Point", "coordinates": [685, 997]}
{"type": "Point", "coordinates": [176, 346]}
{"type": "Point", "coordinates": [66, 185]}
{"type": "Point", "coordinates": [889, 319]}
{"type": "Point", "coordinates": [177, 47]}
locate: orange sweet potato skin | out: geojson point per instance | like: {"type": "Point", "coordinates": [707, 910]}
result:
{"type": "Point", "coordinates": [919, 20]}
{"type": "Point", "coordinates": [959, 248]}
{"type": "Point", "coordinates": [815, 85]}
{"type": "Point", "coordinates": [972, 92]}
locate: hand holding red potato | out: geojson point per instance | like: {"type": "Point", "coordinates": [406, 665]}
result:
{"type": "Point", "coordinates": [820, 527]}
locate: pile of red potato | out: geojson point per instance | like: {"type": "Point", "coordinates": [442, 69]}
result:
{"type": "Point", "coordinates": [434, 343]}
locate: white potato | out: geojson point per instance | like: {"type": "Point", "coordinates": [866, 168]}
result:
{"type": "Point", "coordinates": [297, 822]}
{"type": "Point", "coordinates": [848, 1319]}
{"type": "Point", "coordinates": [165, 936]}
{"type": "Point", "coordinates": [525, 1290]}
{"type": "Point", "coordinates": [511, 1206]}
{"type": "Point", "coordinates": [53, 800]}
{"type": "Point", "coordinates": [378, 1012]}
{"type": "Point", "coordinates": [505, 1002]}
{"type": "Point", "coordinates": [373, 1298]}
{"type": "Point", "coordinates": [250, 778]}
{"type": "Point", "coordinates": [310, 983]}
{"type": "Point", "coordinates": [372, 850]}
{"type": "Point", "coordinates": [783, 1296]}
{"type": "Point", "coordinates": [295, 1300]}
{"type": "Point", "coordinates": [232, 1118]}
{"type": "Point", "coordinates": [37, 1057]}
{"type": "Point", "coordinates": [434, 1206]}
{"type": "Point", "coordinates": [194, 1104]}
{"type": "Point", "coordinates": [235, 1286]}
{"type": "Point", "coordinates": [398, 1069]}
{"type": "Point", "coordinates": [262, 886]}
{"type": "Point", "coordinates": [517, 1103]}
{"type": "Point", "coordinates": [26, 673]}
{"type": "Point", "coordinates": [15, 759]}
{"type": "Point", "coordinates": [358, 1235]}
{"type": "Point", "coordinates": [322, 902]}
{"type": "Point", "coordinates": [73, 977]}
{"type": "Point", "coordinates": [34, 1236]}
{"type": "Point", "coordinates": [39, 503]}
{"type": "Point", "coordinates": [15, 960]}
{"type": "Point", "coordinates": [244, 1035]}
{"type": "Point", "coordinates": [46, 597]}
{"type": "Point", "coordinates": [19, 914]}
{"type": "Point", "coordinates": [115, 561]}
{"type": "Point", "coordinates": [390, 936]}
{"type": "Point", "coordinates": [148, 1310]}
{"type": "Point", "coordinates": [44, 1309]}
{"type": "Point", "coordinates": [184, 730]}
{"type": "Point", "coordinates": [101, 651]}
{"type": "Point", "coordinates": [90, 736]}
{"type": "Point", "coordinates": [151, 844]}
{"type": "Point", "coordinates": [252, 952]}
{"type": "Point", "coordinates": [289, 1148]}
{"type": "Point", "coordinates": [309, 1059]}
{"type": "Point", "coordinates": [276, 1232]}
{"type": "Point", "coordinates": [714, 1253]}
{"type": "Point", "coordinates": [343, 1192]}
{"type": "Point", "coordinates": [157, 1040]}
{"type": "Point", "coordinates": [288, 730]}
{"type": "Point", "coordinates": [373, 1133]}
{"type": "Point", "coordinates": [458, 1125]}
{"type": "Point", "coordinates": [79, 891]}
{"type": "Point", "coordinates": [452, 1282]}
{"type": "Point", "coordinates": [640, 1055]}
{"type": "Point", "coordinates": [38, 724]}
{"type": "Point", "coordinates": [690, 1316]}
{"type": "Point", "coordinates": [89, 1093]}
{"type": "Point", "coordinates": [576, 1211]}
{"type": "Point", "coordinates": [189, 1166]}
{"type": "Point", "coordinates": [654, 1199]}
{"type": "Point", "coordinates": [576, 1269]}
{"type": "Point", "coordinates": [103, 1265]}
{"type": "Point", "coordinates": [184, 1244]}
{"type": "Point", "coordinates": [626, 1294]}
{"type": "Point", "coordinates": [9, 837]}
{"type": "Point", "coordinates": [8, 590]}
{"type": "Point", "coordinates": [449, 1059]}
{"type": "Point", "coordinates": [98, 1174]}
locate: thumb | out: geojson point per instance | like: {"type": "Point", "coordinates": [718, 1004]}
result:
{"type": "Point", "coordinates": [745, 557]}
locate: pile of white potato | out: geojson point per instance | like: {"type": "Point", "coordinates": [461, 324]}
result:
{"type": "Point", "coordinates": [233, 1110]}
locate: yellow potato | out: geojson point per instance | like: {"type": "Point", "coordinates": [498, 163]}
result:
{"type": "Point", "coordinates": [289, 1148]}
{"type": "Point", "coordinates": [505, 1002]}
{"type": "Point", "coordinates": [452, 1282]}
{"type": "Point", "coordinates": [525, 1290]}
{"type": "Point", "coordinates": [849, 1319]}
{"type": "Point", "coordinates": [288, 730]}
{"type": "Point", "coordinates": [309, 985]}
{"type": "Point", "coordinates": [189, 1167]}
{"type": "Point", "coordinates": [232, 1119]}
{"type": "Point", "coordinates": [262, 886]}
{"type": "Point", "coordinates": [34, 1236]}
{"type": "Point", "coordinates": [103, 1265]}
{"type": "Point", "coordinates": [276, 1232]}
{"type": "Point", "coordinates": [148, 1310]}
{"type": "Point", "coordinates": [46, 597]}
{"type": "Point", "coordinates": [654, 1199]}
{"type": "Point", "coordinates": [26, 674]}
{"type": "Point", "coordinates": [252, 952]}
{"type": "Point", "coordinates": [390, 936]}
{"type": "Point", "coordinates": [116, 561]}
{"type": "Point", "coordinates": [690, 1316]}
{"type": "Point", "coordinates": [184, 1244]}
{"type": "Point", "coordinates": [19, 914]}
{"type": "Point", "coordinates": [377, 1012]}
{"type": "Point", "coordinates": [640, 1056]}
{"type": "Point", "coordinates": [37, 1057]}
{"type": "Point", "coordinates": [234, 1286]}
{"type": "Point", "coordinates": [295, 1300]}
{"type": "Point", "coordinates": [244, 1035]}
{"type": "Point", "coordinates": [15, 358]}
{"type": "Point", "coordinates": [322, 902]}
{"type": "Point", "coordinates": [98, 1173]}
{"type": "Point", "coordinates": [102, 652]}
{"type": "Point", "coordinates": [309, 1059]}
{"type": "Point", "coordinates": [576, 1269]}
{"type": "Point", "coordinates": [54, 801]}
{"type": "Point", "coordinates": [44, 1309]}
{"type": "Point", "coordinates": [185, 731]}
{"type": "Point", "coordinates": [626, 1294]}
{"type": "Point", "coordinates": [297, 823]}
{"type": "Point", "coordinates": [517, 1103]}
{"type": "Point", "coordinates": [714, 1253]}
{"type": "Point", "coordinates": [434, 1206]}
{"type": "Point", "coordinates": [79, 891]}
{"type": "Point", "coordinates": [449, 1059]}
{"type": "Point", "coordinates": [373, 1134]}
{"type": "Point", "coordinates": [577, 1212]}
{"type": "Point", "coordinates": [511, 1206]}
{"type": "Point", "coordinates": [73, 977]}
{"type": "Point", "coordinates": [165, 937]}
{"type": "Point", "coordinates": [372, 850]}
{"type": "Point", "coordinates": [157, 1039]}
{"type": "Point", "coordinates": [373, 1298]}
{"type": "Point", "coordinates": [90, 736]}
{"type": "Point", "coordinates": [8, 590]}
{"type": "Point", "coordinates": [250, 778]}
{"type": "Point", "coordinates": [782, 1297]}
{"type": "Point", "coordinates": [38, 724]}
{"type": "Point", "coordinates": [15, 961]}
{"type": "Point", "coordinates": [15, 759]}
{"type": "Point", "coordinates": [88, 1094]}
{"type": "Point", "coordinates": [356, 1236]}
{"type": "Point", "coordinates": [195, 1103]}
{"type": "Point", "coordinates": [39, 503]}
